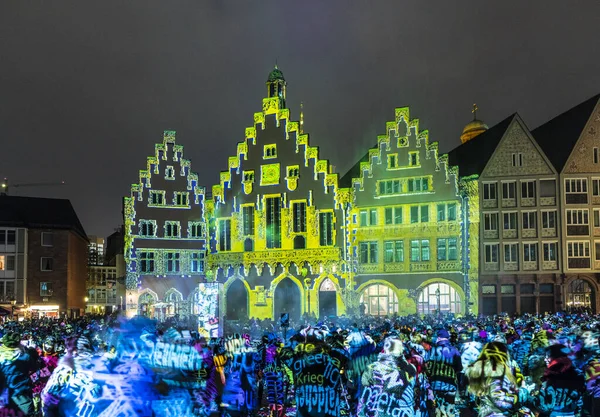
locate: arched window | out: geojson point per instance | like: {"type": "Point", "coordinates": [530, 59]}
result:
{"type": "Point", "coordinates": [195, 302]}
{"type": "Point", "coordinates": [174, 299]}
{"type": "Point", "coordinates": [439, 296]}
{"type": "Point", "coordinates": [580, 294]}
{"type": "Point", "coordinates": [145, 303]}
{"type": "Point", "coordinates": [379, 300]}
{"type": "Point", "coordinates": [299, 242]}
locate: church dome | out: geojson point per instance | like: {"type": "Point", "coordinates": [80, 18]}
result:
{"type": "Point", "coordinates": [275, 75]}
{"type": "Point", "coordinates": [473, 128]}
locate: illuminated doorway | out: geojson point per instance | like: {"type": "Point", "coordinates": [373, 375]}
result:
{"type": "Point", "coordinates": [146, 302]}
{"type": "Point", "coordinates": [439, 297]}
{"type": "Point", "coordinates": [237, 301]}
{"type": "Point", "coordinates": [327, 299]}
{"type": "Point", "coordinates": [580, 295]}
{"type": "Point", "coordinates": [287, 299]}
{"type": "Point", "coordinates": [379, 300]}
{"type": "Point", "coordinates": [173, 299]}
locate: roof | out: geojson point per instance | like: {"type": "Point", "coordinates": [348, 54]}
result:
{"type": "Point", "coordinates": [354, 172]}
{"type": "Point", "coordinates": [276, 74]}
{"type": "Point", "coordinates": [473, 155]}
{"type": "Point", "coordinates": [38, 213]}
{"type": "Point", "coordinates": [558, 137]}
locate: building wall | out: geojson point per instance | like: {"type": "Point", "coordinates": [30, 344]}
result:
{"type": "Point", "coordinates": [405, 155]}
{"type": "Point", "coordinates": [525, 283]}
{"type": "Point", "coordinates": [13, 272]}
{"type": "Point", "coordinates": [77, 274]}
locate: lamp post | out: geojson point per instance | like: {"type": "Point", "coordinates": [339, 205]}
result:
{"type": "Point", "coordinates": [12, 306]}
{"type": "Point", "coordinates": [437, 294]}
{"type": "Point", "coordinates": [85, 299]}
{"type": "Point", "coordinates": [307, 286]}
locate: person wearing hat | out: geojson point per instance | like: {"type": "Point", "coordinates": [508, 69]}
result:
{"type": "Point", "coordinates": [388, 385]}
{"type": "Point", "coordinates": [15, 368]}
{"type": "Point", "coordinates": [444, 367]}
{"type": "Point", "coordinates": [561, 393]}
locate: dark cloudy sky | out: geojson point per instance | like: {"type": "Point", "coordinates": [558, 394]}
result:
{"type": "Point", "coordinates": [87, 87]}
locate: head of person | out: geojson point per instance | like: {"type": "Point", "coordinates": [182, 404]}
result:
{"type": "Point", "coordinates": [493, 363]}
{"type": "Point", "coordinates": [11, 340]}
{"type": "Point", "coordinates": [556, 352]}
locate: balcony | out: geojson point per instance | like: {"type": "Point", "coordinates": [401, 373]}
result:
{"type": "Point", "coordinates": [490, 234]}
{"type": "Point", "coordinates": [528, 202]}
{"type": "Point", "coordinates": [511, 266]}
{"type": "Point", "coordinates": [490, 203]}
{"type": "Point", "coordinates": [491, 266]}
{"type": "Point", "coordinates": [547, 201]}
{"type": "Point", "coordinates": [550, 265]}
{"type": "Point", "coordinates": [529, 233]}
{"type": "Point", "coordinates": [509, 234]}
{"type": "Point", "coordinates": [549, 232]}
{"type": "Point", "coordinates": [530, 266]}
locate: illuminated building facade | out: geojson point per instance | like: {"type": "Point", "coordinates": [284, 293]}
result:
{"type": "Point", "coordinates": [411, 227]}
{"type": "Point", "coordinates": [165, 235]}
{"type": "Point", "coordinates": [95, 250]}
{"type": "Point", "coordinates": [519, 223]}
{"type": "Point", "coordinates": [276, 220]}
{"type": "Point", "coordinates": [572, 142]}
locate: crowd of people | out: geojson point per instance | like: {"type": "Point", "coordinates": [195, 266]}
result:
{"type": "Point", "coordinates": [369, 367]}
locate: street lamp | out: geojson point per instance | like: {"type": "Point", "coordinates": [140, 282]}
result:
{"type": "Point", "coordinates": [12, 305]}
{"type": "Point", "coordinates": [437, 294]}
{"type": "Point", "coordinates": [307, 285]}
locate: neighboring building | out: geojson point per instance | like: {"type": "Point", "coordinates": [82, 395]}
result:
{"type": "Point", "coordinates": [276, 220]}
{"type": "Point", "coordinates": [96, 250]}
{"type": "Point", "coordinates": [165, 235]}
{"type": "Point", "coordinates": [44, 248]}
{"type": "Point", "coordinates": [114, 247]}
{"type": "Point", "coordinates": [519, 222]}
{"type": "Point", "coordinates": [102, 297]}
{"type": "Point", "coordinates": [572, 143]}
{"type": "Point", "coordinates": [410, 228]}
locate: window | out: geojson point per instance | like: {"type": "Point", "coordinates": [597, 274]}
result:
{"type": "Point", "coordinates": [389, 187]}
{"type": "Point", "coordinates": [489, 191]}
{"type": "Point", "coordinates": [394, 251]}
{"type": "Point", "coordinates": [576, 191]}
{"type": "Point", "coordinates": [10, 262]}
{"type": "Point", "coordinates": [550, 249]}
{"type": "Point", "coordinates": [157, 198]}
{"type": "Point", "coordinates": [147, 228]}
{"type": "Point", "coordinates": [47, 239]}
{"type": "Point", "coordinates": [511, 254]}
{"type": "Point", "coordinates": [172, 229]}
{"type": "Point", "coordinates": [527, 189]}
{"type": "Point", "coordinates": [379, 300]}
{"type": "Point", "coordinates": [195, 230]}
{"type": "Point", "coordinates": [577, 222]}
{"type": "Point", "coordinates": [491, 253]}
{"type": "Point", "coordinates": [490, 221]}
{"type": "Point", "coordinates": [181, 199]}
{"type": "Point", "coordinates": [169, 173]}
{"type": "Point", "coordinates": [578, 254]}
{"type": "Point", "coordinates": [419, 214]}
{"type": "Point", "coordinates": [507, 289]}
{"type": "Point", "coordinates": [326, 229]}
{"type": "Point", "coordinates": [529, 220]}
{"type": "Point", "coordinates": [224, 235]}
{"type": "Point", "coordinates": [517, 159]}
{"type": "Point", "coordinates": [597, 244]}
{"type": "Point", "coordinates": [527, 288]}
{"type": "Point", "coordinates": [147, 261]}
{"type": "Point", "coordinates": [549, 219]}
{"type": "Point", "coordinates": [270, 151]}
{"type": "Point", "coordinates": [510, 221]}
{"type": "Point", "coordinates": [595, 153]}
{"type": "Point", "coordinates": [530, 252]}
{"type": "Point", "coordinates": [173, 262]}
{"type": "Point", "coordinates": [389, 215]}
{"type": "Point", "coordinates": [447, 250]}
{"type": "Point", "coordinates": [248, 220]}
{"type": "Point", "coordinates": [273, 222]}
{"type": "Point", "coordinates": [46, 289]}
{"type": "Point", "coordinates": [418, 184]}
{"type": "Point", "coordinates": [419, 250]}
{"type": "Point", "coordinates": [547, 188]}
{"type": "Point", "coordinates": [10, 237]}
{"type": "Point", "coordinates": [197, 262]}
{"type": "Point", "coordinates": [446, 212]}
{"type": "Point", "coordinates": [47, 264]}
{"type": "Point", "coordinates": [373, 217]}
{"type": "Point", "coordinates": [509, 190]}
{"type": "Point", "coordinates": [439, 297]}
{"type": "Point", "coordinates": [248, 176]}
{"type": "Point", "coordinates": [368, 252]}
{"type": "Point", "coordinates": [488, 289]}
{"type": "Point", "coordinates": [596, 187]}
{"type": "Point", "coordinates": [293, 171]}
{"type": "Point", "coordinates": [363, 218]}
{"type": "Point", "coordinates": [596, 217]}
{"type": "Point", "coordinates": [392, 161]}
{"type": "Point", "coordinates": [413, 159]}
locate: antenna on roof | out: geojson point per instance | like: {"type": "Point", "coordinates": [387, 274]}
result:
{"type": "Point", "coordinates": [474, 111]}
{"type": "Point", "coordinates": [4, 187]}
{"type": "Point", "coordinates": [301, 117]}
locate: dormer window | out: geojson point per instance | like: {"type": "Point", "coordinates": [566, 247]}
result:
{"type": "Point", "coordinates": [413, 159]}
{"type": "Point", "coordinates": [392, 161]}
{"type": "Point", "coordinates": [293, 171]}
{"type": "Point", "coordinates": [270, 152]}
{"type": "Point", "coordinates": [172, 229]}
{"type": "Point", "coordinates": [169, 173]}
{"type": "Point", "coordinates": [181, 199]}
{"type": "Point", "coordinates": [248, 176]}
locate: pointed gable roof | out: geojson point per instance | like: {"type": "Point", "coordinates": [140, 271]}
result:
{"type": "Point", "coordinates": [558, 137]}
{"type": "Point", "coordinates": [354, 172]}
{"type": "Point", "coordinates": [472, 157]}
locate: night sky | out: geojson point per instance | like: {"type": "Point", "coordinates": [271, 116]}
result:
{"type": "Point", "coordinates": [87, 87]}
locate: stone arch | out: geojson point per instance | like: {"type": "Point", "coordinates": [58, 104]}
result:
{"type": "Point", "coordinates": [452, 284]}
{"type": "Point", "coordinates": [233, 282]}
{"type": "Point", "coordinates": [177, 301]}
{"type": "Point", "coordinates": [385, 283]}
{"type": "Point", "coordinates": [298, 309]}
{"type": "Point", "coordinates": [316, 288]}
{"type": "Point", "coordinates": [144, 307]}
{"type": "Point", "coordinates": [588, 280]}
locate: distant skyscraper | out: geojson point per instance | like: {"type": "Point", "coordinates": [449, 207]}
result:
{"type": "Point", "coordinates": [96, 250]}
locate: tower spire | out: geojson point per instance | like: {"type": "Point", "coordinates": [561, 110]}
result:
{"type": "Point", "coordinates": [301, 117]}
{"type": "Point", "coordinates": [474, 111]}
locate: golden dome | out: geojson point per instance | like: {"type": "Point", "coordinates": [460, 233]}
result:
{"type": "Point", "coordinates": [473, 128]}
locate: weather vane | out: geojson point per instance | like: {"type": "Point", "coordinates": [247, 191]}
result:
{"type": "Point", "coordinates": [474, 111]}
